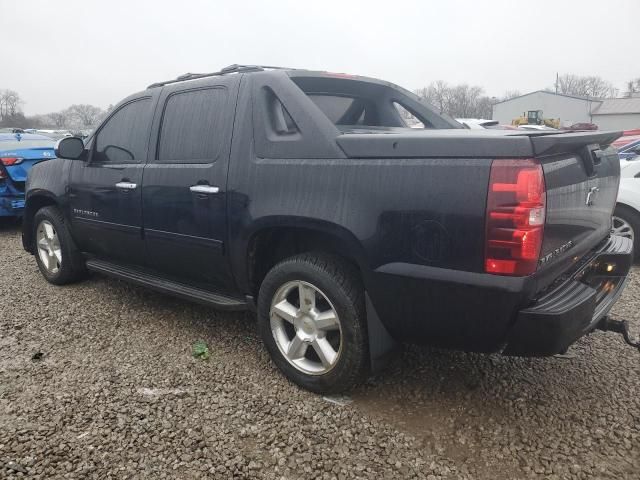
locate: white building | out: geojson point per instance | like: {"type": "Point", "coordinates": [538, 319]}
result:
{"type": "Point", "coordinates": [618, 114]}
{"type": "Point", "coordinates": [608, 114]}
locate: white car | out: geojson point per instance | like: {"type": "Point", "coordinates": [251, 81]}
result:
{"type": "Point", "coordinates": [536, 127]}
{"type": "Point", "coordinates": [626, 217]}
{"type": "Point", "coordinates": [477, 123]}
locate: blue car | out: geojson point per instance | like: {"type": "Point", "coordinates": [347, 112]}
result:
{"type": "Point", "coordinates": [627, 152]}
{"type": "Point", "coordinates": [18, 153]}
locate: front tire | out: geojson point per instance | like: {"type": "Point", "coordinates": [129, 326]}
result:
{"type": "Point", "coordinates": [59, 260]}
{"type": "Point", "coordinates": [626, 222]}
{"type": "Point", "coordinates": [311, 317]}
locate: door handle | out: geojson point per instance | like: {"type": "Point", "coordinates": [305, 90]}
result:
{"type": "Point", "coordinates": [126, 186]}
{"type": "Point", "coordinates": [206, 189]}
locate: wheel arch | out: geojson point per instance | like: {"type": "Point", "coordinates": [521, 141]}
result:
{"type": "Point", "coordinates": [628, 205]}
{"type": "Point", "coordinates": [272, 242]}
{"type": "Point", "coordinates": [275, 239]}
{"type": "Point", "coordinates": [35, 201]}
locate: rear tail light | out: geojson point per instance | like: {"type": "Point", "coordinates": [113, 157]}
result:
{"type": "Point", "coordinates": [516, 205]}
{"type": "Point", "coordinates": [9, 161]}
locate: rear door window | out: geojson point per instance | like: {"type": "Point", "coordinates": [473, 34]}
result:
{"type": "Point", "coordinates": [193, 127]}
{"type": "Point", "coordinates": [125, 136]}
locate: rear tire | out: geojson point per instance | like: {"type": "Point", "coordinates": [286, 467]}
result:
{"type": "Point", "coordinates": [626, 222]}
{"type": "Point", "coordinates": [311, 317]}
{"type": "Point", "coordinates": [59, 260]}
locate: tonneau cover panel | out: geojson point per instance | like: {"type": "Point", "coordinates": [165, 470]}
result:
{"type": "Point", "coordinates": [454, 143]}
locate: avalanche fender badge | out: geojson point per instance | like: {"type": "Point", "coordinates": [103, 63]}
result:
{"type": "Point", "coordinates": [556, 252]}
{"type": "Point", "coordinates": [85, 213]}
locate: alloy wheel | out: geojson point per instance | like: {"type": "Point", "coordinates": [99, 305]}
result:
{"type": "Point", "coordinates": [623, 228]}
{"type": "Point", "coordinates": [49, 249]}
{"type": "Point", "coordinates": [306, 327]}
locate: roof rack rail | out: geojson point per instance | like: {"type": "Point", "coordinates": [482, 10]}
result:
{"type": "Point", "coordinates": [235, 68]}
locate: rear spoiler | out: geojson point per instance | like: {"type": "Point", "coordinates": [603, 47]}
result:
{"type": "Point", "coordinates": [464, 143]}
{"type": "Point", "coordinates": [571, 141]}
{"type": "Point", "coordinates": [588, 145]}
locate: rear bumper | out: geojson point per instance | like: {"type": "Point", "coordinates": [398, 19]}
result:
{"type": "Point", "coordinates": [492, 313]}
{"type": "Point", "coordinates": [573, 307]}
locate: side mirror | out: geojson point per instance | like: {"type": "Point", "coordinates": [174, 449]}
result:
{"type": "Point", "coordinates": [71, 148]}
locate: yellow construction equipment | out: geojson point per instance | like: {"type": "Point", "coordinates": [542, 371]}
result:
{"type": "Point", "coordinates": [534, 117]}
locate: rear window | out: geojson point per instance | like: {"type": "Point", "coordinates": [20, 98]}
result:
{"type": "Point", "coordinates": [15, 145]}
{"type": "Point", "coordinates": [336, 108]}
{"type": "Point", "coordinates": [361, 102]}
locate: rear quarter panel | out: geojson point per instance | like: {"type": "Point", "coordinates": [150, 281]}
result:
{"type": "Point", "coordinates": [397, 210]}
{"type": "Point", "coordinates": [422, 211]}
{"type": "Point", "coordinates": [426, 212]}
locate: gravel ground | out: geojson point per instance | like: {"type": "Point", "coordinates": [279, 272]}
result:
{"type": "Point", "coordinates": [97, 380]}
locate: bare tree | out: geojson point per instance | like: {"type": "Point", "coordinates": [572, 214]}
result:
{"type": "Point", "coordinates": [462, 101]}
{"type": "Point", "coordinates": [509, 94]}
{"type": "Point", "coordinates": [599, 88]}
{"type": "Point", "coordinates": [10, 103]}
{"type": "Point", "coordinates": [633, 88]}
{"type": "Point", "coordinates": [60, 119]}
{"type": "Point", "coordinates": [437, 94]}
{"type": "Point", "coordinates": [484, 107]}
{"type": "Point", "coordinates": [36, 121]}
{"type": "Point", "coordinates": [86, 115]}
{"type": "Point", "coordinates": [588, 86]}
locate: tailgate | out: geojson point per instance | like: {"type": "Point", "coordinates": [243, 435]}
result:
{"type": "Point", "coordinates": [582, 173]}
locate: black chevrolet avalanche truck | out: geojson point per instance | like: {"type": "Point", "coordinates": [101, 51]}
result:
{"type": "Point", "coordinates": [347, 213]}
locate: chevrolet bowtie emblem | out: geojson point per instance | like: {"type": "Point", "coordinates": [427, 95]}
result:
{"type": "Point", "coordinates": [591, 196]}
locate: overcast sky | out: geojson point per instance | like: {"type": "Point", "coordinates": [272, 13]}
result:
{"type": "Point", "coordinates": [79, 51]}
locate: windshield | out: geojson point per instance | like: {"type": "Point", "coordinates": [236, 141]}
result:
{"type": "Point", "coordinates": [15, 145]}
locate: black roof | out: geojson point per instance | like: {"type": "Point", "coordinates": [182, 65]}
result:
{"type": "Point", "coordinates": [235, 68]}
